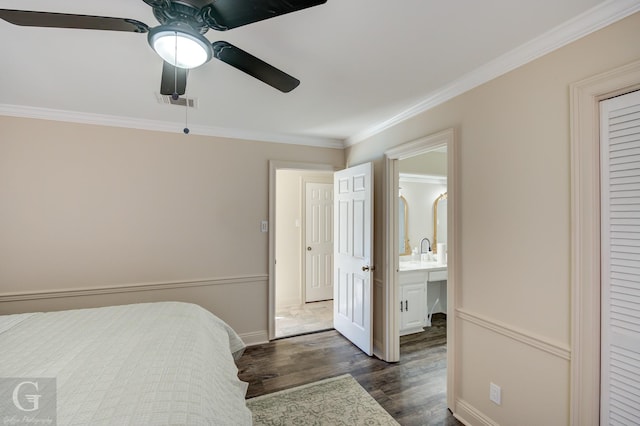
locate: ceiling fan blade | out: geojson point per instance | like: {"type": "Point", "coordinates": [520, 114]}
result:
{"type": "Point", "coordinates": [30, 18]}
{"type": "Point", "coordinates": [253, 66]}
{"type": "Point", "coordinates": [174, 80]}
{"type": "Point", "coordinates": [224, 15]}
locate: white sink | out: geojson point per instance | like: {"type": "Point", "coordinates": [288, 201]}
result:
{"type": "Point", "coordinates": [412, 265]}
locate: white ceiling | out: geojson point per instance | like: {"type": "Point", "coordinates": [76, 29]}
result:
{"type": "Point", "coordinates": [363, 64]}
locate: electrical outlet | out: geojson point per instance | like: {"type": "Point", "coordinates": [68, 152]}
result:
{"type": "Point", "coordinates": [264, 226]}
{"type": "Point", "coordinates": [495, 393]}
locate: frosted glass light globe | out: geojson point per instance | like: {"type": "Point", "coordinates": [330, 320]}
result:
{"type": "Point", "coordinates": [180, 48]}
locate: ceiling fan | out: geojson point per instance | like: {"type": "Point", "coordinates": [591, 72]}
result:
{"type": "Point", "coordinates": [179, 38]}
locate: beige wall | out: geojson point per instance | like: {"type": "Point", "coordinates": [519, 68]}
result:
{"type": "Point", "coordinates": [288, 238]}
{"type": "Point", "coordinates": [87, 207]}
{"type": "Point", "coordinates": [430, 163]}
{"type": "Point", "coordinates": [514, 290]}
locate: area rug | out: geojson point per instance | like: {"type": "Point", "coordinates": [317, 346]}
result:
{"type": "Point", "coordinates": [336, 401]}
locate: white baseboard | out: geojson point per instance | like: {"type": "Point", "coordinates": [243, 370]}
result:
{"type": "Point", "coordinates": [469, 415]}
{"type": "Point", "coordinates": [288, 303]}
{"type": "Point", "coordinates": [255, 337]}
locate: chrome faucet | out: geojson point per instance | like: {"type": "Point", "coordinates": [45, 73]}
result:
{"type": "Point", "coordinates": [422, 250]}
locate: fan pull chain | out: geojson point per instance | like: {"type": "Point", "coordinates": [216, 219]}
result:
{"type": "Point", "coordinates": [175, 95]}
{"type": "Point", "coordinates": [186, 109]}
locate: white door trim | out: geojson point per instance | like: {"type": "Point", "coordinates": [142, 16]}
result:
{"type": "Point", "coordinates": [392, 336]}
{"type": "Point", "coordinates": [585, 235]}
{"type": "Point", "coordinates": [275, 165]}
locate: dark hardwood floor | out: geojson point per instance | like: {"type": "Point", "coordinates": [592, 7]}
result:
{"type": "Point", "coordinates": [413, 390]}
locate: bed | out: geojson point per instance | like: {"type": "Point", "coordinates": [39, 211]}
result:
{"type": "Point", "coordinates": [142, 364]}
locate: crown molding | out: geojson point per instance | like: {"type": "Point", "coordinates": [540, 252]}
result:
{"type": "Point", "coordinates": [163, 126]}
{"type": "Point", "coordinates": [598, 17]}
{"type": "Point", "coordinates": [418, 178]}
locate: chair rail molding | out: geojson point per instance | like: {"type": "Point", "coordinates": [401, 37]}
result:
{"type": "Point", "coordinates": [515, 333]}
{"type": "Point", "coordinates": [126, 288]}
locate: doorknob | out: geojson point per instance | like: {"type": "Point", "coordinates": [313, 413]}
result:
{"type": "Point", "coordinates": [309, 248]}
{"type": "Point", "coordinates": [368, 268]}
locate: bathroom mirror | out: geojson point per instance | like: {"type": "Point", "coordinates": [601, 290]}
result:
{"type": "Point", "coordinates": [403, 233]}
{"type": "Point", "coordinates": [439, 221]}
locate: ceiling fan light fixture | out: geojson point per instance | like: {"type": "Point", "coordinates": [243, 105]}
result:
{"type": "Point", "coordinates": [179, 46]}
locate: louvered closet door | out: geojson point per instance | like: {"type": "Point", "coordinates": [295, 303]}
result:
{"type": "Point", "coordinates": [620, 189]}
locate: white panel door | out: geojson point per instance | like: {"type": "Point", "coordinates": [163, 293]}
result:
{"type": "Point", "coordinates": [318, 241]}
{"type": "Point", "coordinates": [620, 242]}
{"type": "Point", "coordinates": [353, 254]}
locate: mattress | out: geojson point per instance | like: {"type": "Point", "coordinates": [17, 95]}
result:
{"type": "Point", "coordinates": [143, 364]}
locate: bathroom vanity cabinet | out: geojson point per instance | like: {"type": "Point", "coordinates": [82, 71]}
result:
{"type": "Point", "coordinates": [413, 302]}
{"type": "Point", "coordinates": [416, 279]}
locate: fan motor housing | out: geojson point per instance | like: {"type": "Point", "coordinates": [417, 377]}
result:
{"type": "Point", "coordinates": [185, 12]}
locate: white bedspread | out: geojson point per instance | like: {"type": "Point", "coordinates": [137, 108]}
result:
{"type": "Point", "coordinates": [143, 364]}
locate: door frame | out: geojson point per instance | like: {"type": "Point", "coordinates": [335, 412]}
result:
{"type": "Point", "coordinates": [585, 235]}
{"type": "Point", "coordinates": [391, 348]}
{"type": "Point", "coordinates": [275, 165]}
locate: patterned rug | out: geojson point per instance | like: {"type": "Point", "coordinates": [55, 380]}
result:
{"type": "Point", "coordinates": [336, 401]}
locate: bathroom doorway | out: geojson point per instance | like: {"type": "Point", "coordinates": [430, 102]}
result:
{"type": "Point", "coordinates": [422, 239]}
{"type": "Point", "coordinates": [422, 280]}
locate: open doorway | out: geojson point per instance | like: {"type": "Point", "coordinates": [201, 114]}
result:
{"type": "Point", "coordinates": [422, 240]}
{"type": "Point", "coordinates": [422, 249]}
{"type": "Point", "coordinates": [301, 249]}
